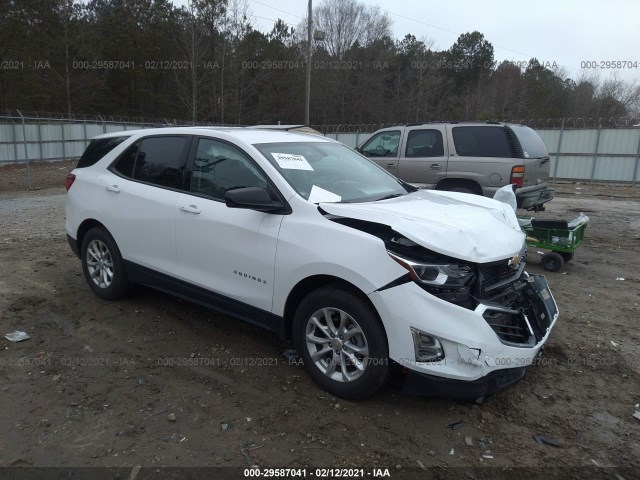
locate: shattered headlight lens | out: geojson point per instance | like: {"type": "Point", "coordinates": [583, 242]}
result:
{"type": "Point", "coordinates": [434, 273]}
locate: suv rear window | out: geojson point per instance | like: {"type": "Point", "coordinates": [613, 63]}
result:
{"type": "Point", "coordinates": [97, 149]}
{"type": "Point", "coordinates": [532, 145]}
{"type": "Point", "coordinates": [481, 142]}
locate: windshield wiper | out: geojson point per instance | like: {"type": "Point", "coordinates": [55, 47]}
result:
{"type": "Point", "coordinates": [392, 195]}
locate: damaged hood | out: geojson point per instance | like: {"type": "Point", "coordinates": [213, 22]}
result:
{"type": "Point", "coordinates": [468, 227]}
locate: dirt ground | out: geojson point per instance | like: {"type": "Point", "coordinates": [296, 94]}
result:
{"type": "Point", "coordinates": [154, 381]}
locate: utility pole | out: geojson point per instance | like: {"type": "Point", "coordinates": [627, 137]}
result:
{"type": "Point", "coordinates": [307, 100]}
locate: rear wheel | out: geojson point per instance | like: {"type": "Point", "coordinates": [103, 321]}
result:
{"type": "Point", "coordinates": [102, 265]}
{"type": "Point", "coordinates": [552, 261]}
{"type": "Point", "coordinates": [567, 256]}
{"type": "Point", "coordinates": [342, 342]}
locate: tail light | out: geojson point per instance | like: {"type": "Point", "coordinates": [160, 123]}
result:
{"type": "Point", "coordinates": [70, 179]}
{"type": "Point", "coordinates": [517, 175]}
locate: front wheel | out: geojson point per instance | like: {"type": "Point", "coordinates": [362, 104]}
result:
{"type": "Point", "coordinates": [342, 342]}
{"type": "Point", "coordinates": [103, 266]}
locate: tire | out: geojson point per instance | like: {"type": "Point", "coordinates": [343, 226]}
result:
{"type": "Point", "coordinates": [354, 367]}
{"type": "Point", "coordinates": [566, 256]}
{"type": "Point", "coordinates": [552, 261]}
{"type": "Point", "coordinates": [103, 266]}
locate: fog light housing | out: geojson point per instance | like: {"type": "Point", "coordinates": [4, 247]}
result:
{"type": "Point", "coordinates": [427, 347]}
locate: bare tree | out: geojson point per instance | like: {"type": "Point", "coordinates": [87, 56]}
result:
{"type": "Point", "coordinates": [346, 22]}
{"type": "Point", "coordinates": [626, 94]}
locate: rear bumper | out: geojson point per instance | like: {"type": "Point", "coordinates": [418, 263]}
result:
{"type": "Point", "coordinates": [530, 200]}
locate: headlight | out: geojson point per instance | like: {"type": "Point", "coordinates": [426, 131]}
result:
{"type": "Point", "coordinates": [434, 273]}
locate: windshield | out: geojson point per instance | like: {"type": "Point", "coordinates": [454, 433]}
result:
{"type": "Point", "coordinates": [330, 172]}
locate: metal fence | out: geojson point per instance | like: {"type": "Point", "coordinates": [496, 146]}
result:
{"type": "Point", "coordinates": [34, 138]}
{"type": "Point", "coordinates": [580, 149]}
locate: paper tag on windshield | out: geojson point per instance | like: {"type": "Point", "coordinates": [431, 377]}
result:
{"type": "Point", "coordinates": [289, 161]}
{"type": "Point", "coordinates": [319, 195]}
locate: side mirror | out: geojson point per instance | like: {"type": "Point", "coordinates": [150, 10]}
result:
{"type": "Point", "coordinates": [252, 198]}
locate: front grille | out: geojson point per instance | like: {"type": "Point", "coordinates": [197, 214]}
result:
{"type": "Point", "coordinates": [511, 327]}
{"type": "Point", "coordinates": [494, 275]}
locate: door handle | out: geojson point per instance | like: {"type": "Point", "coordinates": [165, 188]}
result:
{"type": "Point", "coordinates": [190, 209]}
{"type": "Point", "coordinates": [436, 166]}
{"type": "Point", "coordinates": [113, 188]}
{"type": "Point", "coordinates": [391, 165]}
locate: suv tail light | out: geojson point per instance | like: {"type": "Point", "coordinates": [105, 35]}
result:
{"type": "Point", "coordinates": [517, 175]}
{"type": "Point", "coordinates": [70, 179]}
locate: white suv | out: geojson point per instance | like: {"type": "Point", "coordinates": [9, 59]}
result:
{"type": "Point", "coordinates": [305, 237]}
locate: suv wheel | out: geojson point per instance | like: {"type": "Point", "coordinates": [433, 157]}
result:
{"type": "Point", "coordinates": [102, 265]}
{"type": "Point", "coordinates": [342, 342]}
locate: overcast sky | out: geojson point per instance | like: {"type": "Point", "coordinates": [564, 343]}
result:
{"type": "Point", "coordinates": [567, 32]}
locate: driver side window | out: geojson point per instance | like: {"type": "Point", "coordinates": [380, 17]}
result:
{"type": "Point", "coordinates": [219, 167]}
{"type": "Point", "coordinates": [383, 144]}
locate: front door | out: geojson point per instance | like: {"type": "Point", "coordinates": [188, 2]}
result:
{"type": "Point", "coordinates": [383, 149]}
{"type": "Point", "coordinates": [229, 251]}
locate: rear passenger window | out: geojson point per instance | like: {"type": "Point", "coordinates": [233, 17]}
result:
{"type": "Point", "coordinates": [156, 160]}
{"type": "Point", "coordinates": [481, 142]}
{"type": "Point", "coordinates": [160, 161]}
{"type": "Point", "coordinates": [424, 143]}
{"type": "Point", "coordinates": [126, 161]}
{"type": "Point", "coordinates": [97, 149]}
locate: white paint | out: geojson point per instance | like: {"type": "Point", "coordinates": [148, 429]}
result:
{"type": "Point", "coordinates": [468, 227]}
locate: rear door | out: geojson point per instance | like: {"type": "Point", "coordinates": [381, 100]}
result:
{"type": "Point", "coordinates": [141, 190]}
{"type": "Point", "coordinates": [483, 155]}
{"type": "Point", "coordinates": [536, 157]}
{"type": "Point", "coordinates": [383, 149]}
{"type": "Point", "coordinates": [424, 156]}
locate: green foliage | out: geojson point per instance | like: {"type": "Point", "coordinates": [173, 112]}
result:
{"type": "Point", "coordinates": [205, 62]}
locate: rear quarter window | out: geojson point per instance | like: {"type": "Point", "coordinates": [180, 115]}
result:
{"type": "Point", "coordinates": [97, 149]}
{"type": "Point", "coordinates": [481, 142]}
{"type": "Point", "coordinates": [532, 145]}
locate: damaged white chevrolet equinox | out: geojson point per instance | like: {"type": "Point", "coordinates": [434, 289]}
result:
{"type": "Point", "coordinates": [299, 234]}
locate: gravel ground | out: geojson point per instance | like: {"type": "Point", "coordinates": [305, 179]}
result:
{"type": "Point", "coordinates": [153, 381]}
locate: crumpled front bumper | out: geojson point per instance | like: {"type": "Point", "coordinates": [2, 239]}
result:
{"type": "Point", "coordinates": [479, 359]}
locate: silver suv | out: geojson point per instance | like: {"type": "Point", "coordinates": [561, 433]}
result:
{"type": "Point", "coordinates": [466, 157]}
